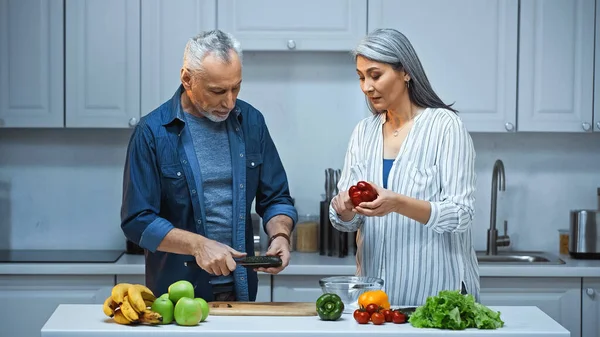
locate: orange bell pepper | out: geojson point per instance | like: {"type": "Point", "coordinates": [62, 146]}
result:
{"type": "Point", "coordinates": [378, 297]}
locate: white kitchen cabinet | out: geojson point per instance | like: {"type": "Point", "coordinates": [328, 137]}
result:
{"type": "Point", "coordinates": [166, 27]}
{"type": "Point", "coordinates": [556, 65]}
{"type": "Point", "coordinates": [28, 301]}
{"type": "Point", "coordinates": [296, 288]}
{"type": "Point", "coordinates": [590, 307]}
{"type": "Point", "coordinates": [597, 71]}
{"type": "Point", "coordinates": [559, 298]}
{"type": "Point", "coordinates": [333, 25]}
{"type": "Point", "coordinates": [31, 63]}
{"type": "Point", "coordinates": [102, 63]}
{"type": "Point", "coordinates": [263, 294]}
{"type": "Point", "coordinates": [468, 49]}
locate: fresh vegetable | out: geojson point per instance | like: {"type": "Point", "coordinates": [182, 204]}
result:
{"type": "Point", "coordinates": [362, 192]}
{"type": "Point", "coordinates": [387, 313]}
{"type": "Point", "coordinates": [377, 318]}
{"type": "Point", "coordinates": [398, 317]}
{"type": "Point", "coordinates": [330, 307]}
{"type": "Point", "coordinates": [377, 297]}
{"type": "Point", "coordinates": [452, 310]}
{"type": "Point", "coordinates": [372, 308]}
{"type": "Point", "coordinates": [361, 316]}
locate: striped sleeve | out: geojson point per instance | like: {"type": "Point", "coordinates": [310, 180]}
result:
{"type": "Point", "coordinates": [454, 212]}
{"type": "Point", "coordinates": [348, 177]}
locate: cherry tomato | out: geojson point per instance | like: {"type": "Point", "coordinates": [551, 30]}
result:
{"type": "Point", "coordinates": [372, 308]}
{"type": "Point", "coordinates": [361, 316]}
{"type": "Point", "coordinates": [387, 313]}
{"type": "Point", "coordinates": [377, 318]}
{"type": "Point", "coordinates": [398, 317]}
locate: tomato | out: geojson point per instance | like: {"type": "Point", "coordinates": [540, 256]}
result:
{"type": "Point", "coordinates": [372, 308]}
{"type": "Point", "coordinates": [387, 313]}
{"type": "Point", "coordinates": [377, 318]}
{"type": "Point", "coordinates": [398, 317]}
{"type": "Point", "coordinates": [361, 316]}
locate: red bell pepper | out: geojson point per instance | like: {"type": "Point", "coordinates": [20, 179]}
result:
{"type": "Point", "coordinates": [362, 192]}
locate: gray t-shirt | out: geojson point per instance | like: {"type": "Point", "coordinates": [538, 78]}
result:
{"type": "Point", "coordinates": [211, 144]}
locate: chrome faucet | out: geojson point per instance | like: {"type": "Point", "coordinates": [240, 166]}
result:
{"type": "Point", "coordinates": [493, 240]}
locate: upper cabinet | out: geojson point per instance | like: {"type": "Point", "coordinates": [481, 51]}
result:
{"type": "Point", "coordinates": [468, 49]}
{"type": "Point", "coordinates": [294, 25]}
{"type": "Point", "coordinates": [31, 63]}
{"type": "Point", "coordinates": [166, 27]}
{"type": "Point", "coordinates": [102, 63]}
{"type": "Point", "coordinates": [556, 65]}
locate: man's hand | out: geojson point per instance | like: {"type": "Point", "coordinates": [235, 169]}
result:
{"type": "Point", "coordinates": [216, 258]}
{"type": "Point", "coordinates": [279, 247]}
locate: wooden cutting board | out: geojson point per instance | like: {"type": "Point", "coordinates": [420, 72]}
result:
{"type": "Point", "coordinates": [262, 308]}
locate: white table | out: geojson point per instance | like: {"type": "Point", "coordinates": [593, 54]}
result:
{"type": "Point", "coordinates": [76, 320]}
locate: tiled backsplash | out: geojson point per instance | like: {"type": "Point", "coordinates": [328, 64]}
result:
{"type": "Point", "coordinates": [62, 188]}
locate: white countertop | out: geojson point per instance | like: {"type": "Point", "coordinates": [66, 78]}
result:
{"type": "Point", "coordinates": [75, 320]}
{"type": "Point", "coordinates": [304, 264]}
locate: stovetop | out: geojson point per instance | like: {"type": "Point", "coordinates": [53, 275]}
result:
{"type": "Point", "coordinates": [59, 256]}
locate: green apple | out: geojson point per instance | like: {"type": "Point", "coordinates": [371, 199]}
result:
{"type": "Point", "coordinates": [204, 306]}
{"type": "Point", "coordinates": [188, 311]}
{"type": "Point", "coordinates": [165, 307]}
{"type": "Point", "coordinates": [165, 295]}
{"type": "Point", "coordinates": [180, 289]}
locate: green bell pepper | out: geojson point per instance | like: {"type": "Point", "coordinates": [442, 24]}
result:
{"type": "Point", "coordinates": [330, 307]}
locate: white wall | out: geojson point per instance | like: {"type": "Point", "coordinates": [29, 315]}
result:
{"type": "Point", "coordinates": [62, 188]}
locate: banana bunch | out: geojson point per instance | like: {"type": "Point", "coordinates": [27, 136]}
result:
{"type": "Point", "coordinates": [130, 304]}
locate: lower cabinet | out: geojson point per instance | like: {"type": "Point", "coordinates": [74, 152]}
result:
{"type": "Point", "coordinates": [29, 300]}
{"type": "Point", "coordinates": [263, 294]}
{"type": "Point", "coordinates": [590, 307]}
{"type": "Point", "coordinates": [559, 298]}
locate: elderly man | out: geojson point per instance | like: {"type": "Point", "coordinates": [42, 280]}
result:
{"type": "Point", "coordinates": [193, 168]}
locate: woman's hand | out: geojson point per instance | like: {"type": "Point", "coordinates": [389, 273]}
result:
{"type": "Point", "coordinates": [342, 205]}
{"type": "Point", "coordinates": [386, 202]}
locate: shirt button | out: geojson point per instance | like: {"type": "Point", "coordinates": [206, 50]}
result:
{"type": "Point", "coordinates": [241, 155]}
{"type": "Point", "coordinates": [179, 174]}
{"type": "Point", "coordinates": [193, 191]}
{"type": "Point", "coordinates": [241, 217]}
{"type": "Point", "coordinates": [199, 221]}
{"type": "Point", "coordinates": [252, 164]}
{"type": "Point", "coordinates": [242, 278]}
{"type": "Point", "coordinates": [237, 129]}
{"type": "Point", "coordinates": [241, 185]}
{"type": "Point", "coordinates": [184, 161]}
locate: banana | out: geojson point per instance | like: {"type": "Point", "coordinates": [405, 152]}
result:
{"type": "Point", "coordinates": [119, 291]}
{"type": "Point", "coordinates": [128, 311]}
{"type": "Point", "coordinates": [134, 297]}
{"type": "Point", "coordinates": [147, 294]}
{"type": "Point", "coordinates": [148, 302]}
{"type": "Point", "coordinates": [150, 317]}
{"type": "Point", "coordinates": [109, 307]}
{"type": "Point", "coordinates": [120, 318]}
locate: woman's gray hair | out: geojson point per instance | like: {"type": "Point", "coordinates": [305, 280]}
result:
{"type": "Point", "coordinates": [386, 45]}
{"type": "Point", "coordinates": [214, 42]}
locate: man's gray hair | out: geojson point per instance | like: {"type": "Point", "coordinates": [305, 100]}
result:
{"type": "Point", "coordinates": [215, 42]}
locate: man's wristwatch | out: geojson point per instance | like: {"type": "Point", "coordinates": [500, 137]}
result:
{"type": "Point", "coordinates": [278, 235]}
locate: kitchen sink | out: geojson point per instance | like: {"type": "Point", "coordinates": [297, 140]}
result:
{"type": "Point", "coordinates": [519, 257]}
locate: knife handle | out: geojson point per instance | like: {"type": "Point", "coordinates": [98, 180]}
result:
{"type": "Point", "coordinates": [249, 262]}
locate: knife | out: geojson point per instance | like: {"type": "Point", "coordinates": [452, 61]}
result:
{"type": "Point", "coordinates": [248, 262]}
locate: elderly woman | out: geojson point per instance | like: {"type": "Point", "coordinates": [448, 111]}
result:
{"type": "Point", "coordinates": [419, 157]}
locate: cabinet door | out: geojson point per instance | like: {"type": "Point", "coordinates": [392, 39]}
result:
{"type": "Point", "coordinates": [468, 49]}
{"type": "Point", "coordinates": [28, 301]}
{"type": "Point", "coordinates": [102, 63]}
{"type": "Point", "coordinates": [294, 25]}
{"type": "Point", "coordinates": [296, 288]}
{"type": "Point", "coordinates": [31, 63]}
{"type": "Point", "coordinates": [590, 307]}
{"type": "Point", "coordinates": [597, 71]}
{"type": "Point", "coordinates": [166, 27]}
{"type": "Point", "coordinates": [559, 298]}
{"type": "Point", "coordinates": [263, 294]}
{"type": "Point", "coordinates": [556, 65]}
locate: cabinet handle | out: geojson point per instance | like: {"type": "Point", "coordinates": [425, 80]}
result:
{"type": "Point", "coordinates": [133, 121]}
{"type": "Point", "coordinates": [509, 126]}
{"type": "Point", "coordinates": [590, 292]}
{"type": "Point", "coordinates": [291, 44]}
{"type": "Point", "coordinates": [598, 125]}
{"type": "Point", "coordinates": [586, 126]}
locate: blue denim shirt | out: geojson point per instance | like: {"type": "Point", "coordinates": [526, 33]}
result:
{"type": "Point", "coordinates": [162, 190]}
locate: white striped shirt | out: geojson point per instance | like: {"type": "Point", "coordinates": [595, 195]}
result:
{"type": "Point", "coordinates": [436, 163]}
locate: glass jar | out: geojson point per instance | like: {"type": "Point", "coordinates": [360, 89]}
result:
{"type": "Point", "coordinates": [306, 234]}
{"type": "Point", "coordinates": [563, 247]}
